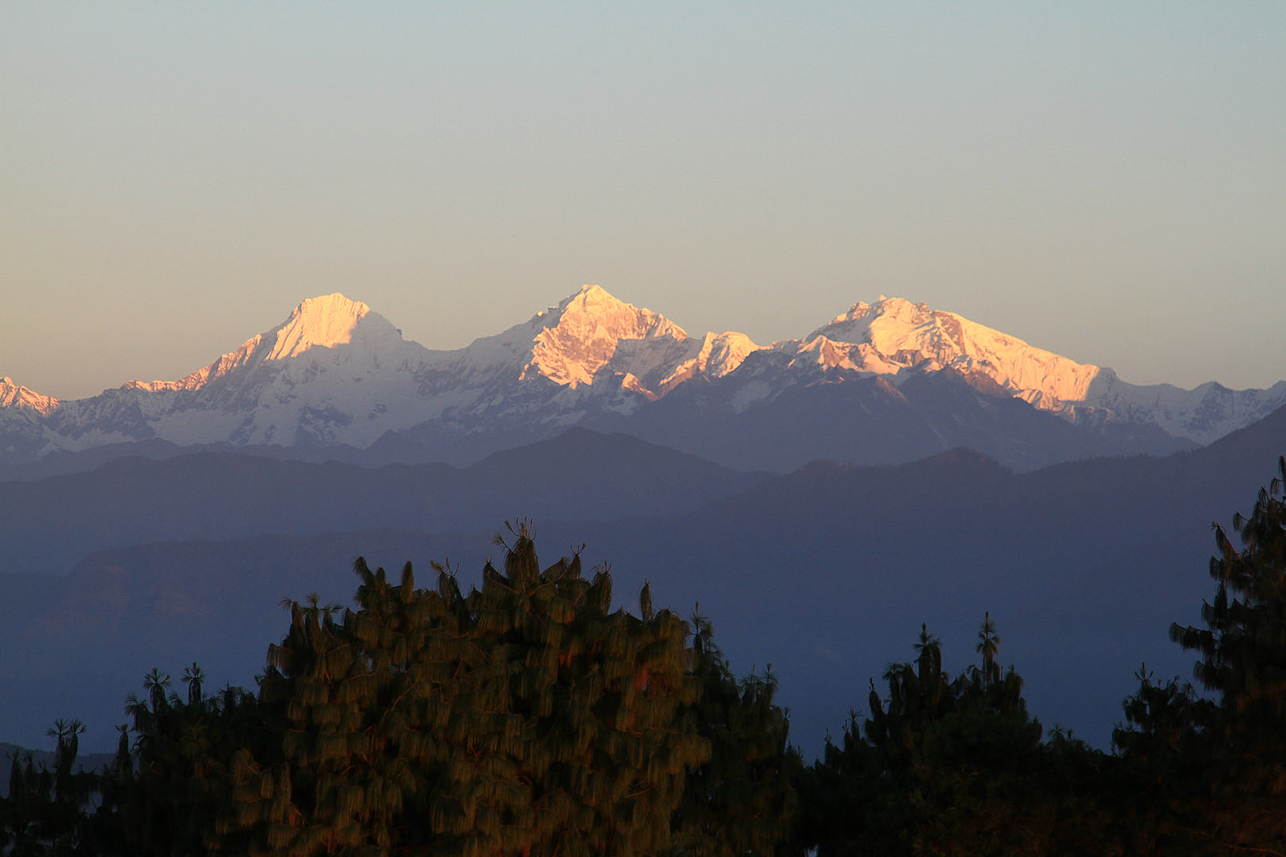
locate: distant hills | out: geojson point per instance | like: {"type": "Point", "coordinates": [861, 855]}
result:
{"type": "Point", "coordinates": [52, 523]}
{"type": "Point", "coordinates": [826, 573]}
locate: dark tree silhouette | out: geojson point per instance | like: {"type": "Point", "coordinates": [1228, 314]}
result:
{"type": "Point", "coordinates": [1242, 651]}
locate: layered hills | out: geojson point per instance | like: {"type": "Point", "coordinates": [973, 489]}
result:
{"type": "Point", "coordinates": [825, 573]}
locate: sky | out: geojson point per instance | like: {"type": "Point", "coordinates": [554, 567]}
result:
{"type": "Point", "coordinates": [1103, 180]}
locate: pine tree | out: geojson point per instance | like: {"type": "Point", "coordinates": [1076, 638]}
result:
{"type": "Point", "coordinates": [1163, 752]}
{"type": "Point", "coordinates": [743, 801]}
{"type": "Point", "coordinates": [525, 717]}
{"type": "Point", "coordinates": [1242, 652]}
{"type": "Point", "coordinates": [946, 766]}
{"type": "Point", "coordinates": [164, 795]}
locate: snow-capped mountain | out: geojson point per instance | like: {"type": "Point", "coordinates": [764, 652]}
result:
{"type": "Point", "coordinates": [22, 414]}
{"type": "Point", "coordinates": [16, 398]}
{"type": "Point", "coordinates": [300, 382]}
{"type": "Point", "coordinates": [895, 335]}
{"type": "Point", "coordinates": [335, 372]}
{"type": "Point", "coordinates": [593, 339]}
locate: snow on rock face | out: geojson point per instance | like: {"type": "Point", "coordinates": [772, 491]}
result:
{"type": "Point", "coordinates": [893, 336]}
{"type": "Point", "coordinates": [322, 322]}
{"type": "Point", "coordinates": [906, 335]}
{"type": "Point", "coordinates": [580, 336]}
{"type": "Point", "coordinates": [333, 372]}
{"type": "Point", "coordinates": [325, 321]}
{"type": "Point", "coordinates": [721, 353]}
{"type": "Point", "coordinates": [718, 355]}
{"type": "Point", "coordinates": [1203, 414]}
{"type": "Point", "coordinates": [226, 364]}
{"type": "Point", "coordinates": [591, 338]}
{"type": "Point", "coordinates": [856, 357]}
{"type": "Point", "coordinates": [14, 395]}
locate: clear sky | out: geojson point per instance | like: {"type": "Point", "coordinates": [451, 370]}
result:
{"type": "Point", "coordinates": [1105, 180]}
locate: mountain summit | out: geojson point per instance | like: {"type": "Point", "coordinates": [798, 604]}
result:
{"type": "Point", "coordinates": [325, 321]}
{"type": "Point", "coordinates": [894, 334]}
{"type": "Point", "coordinates": [582, 334]}
{"type": "Point", "coordinates": [17, 397]}
{"type": "Point", "coordinates": [886, 375]}
{"type": "Point", "coordinates": [592, 339]}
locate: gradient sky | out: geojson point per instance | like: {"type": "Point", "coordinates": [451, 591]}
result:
{"type": "Point", "coordinates": [1105, 180]}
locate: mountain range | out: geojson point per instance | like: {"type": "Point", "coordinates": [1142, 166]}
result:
{"type": "Point", "coordinates": [881, 383]}
{"type": "Point", "coordinates": [818, 498]}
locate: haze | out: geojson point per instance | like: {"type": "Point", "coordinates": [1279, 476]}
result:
{"type": "Point", "coordinates": [1104, 181]}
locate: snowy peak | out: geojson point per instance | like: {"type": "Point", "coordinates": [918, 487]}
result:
{"type": "Point", "coordinates": [325, 321]}
{"type": "Point", "coordinates": [582, 334]}
{"type": "Point", "coordinates": [906, 335]}
{"type": "Point", "coordinates": [890, 324]}
{"type": "Point", "coordinates": [723, 352]}
{"type": "Point", "coordinates": [14, 395]}
{"type": "Point", "coordinates": [592, 339]}
{"type": "Point", "coordinates": [855, 357]}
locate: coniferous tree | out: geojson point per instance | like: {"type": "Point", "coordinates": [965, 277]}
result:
{"type": "Point", "coordinates": [193, 676]}
{"type": "Point", "coordinates": [743, 801]}
{"type": "Point", "coordinates": [526, 717]}
{"type": "Point", "coordinates": [946, 766]}
{"type": "Point", "coordinates": [1242, 659]}
{"type": "Point", "coordinates": [46, 811]}
{"type": "Point", "coordinates": [18, 810]}
{"type": "Point", "coordinates": [165, 794]}
{"type": "Point", "coordinates": [1163, 753]}
{"type": "Point", "coordinates": [71, 790]}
